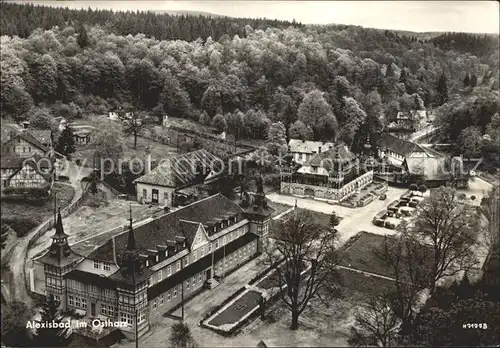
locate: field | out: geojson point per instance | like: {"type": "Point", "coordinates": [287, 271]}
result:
{"type": "Point", "coordinates": [23, 216]}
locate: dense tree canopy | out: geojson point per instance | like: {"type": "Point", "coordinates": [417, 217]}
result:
{"type": "Point", "coordinates": [331, 78]}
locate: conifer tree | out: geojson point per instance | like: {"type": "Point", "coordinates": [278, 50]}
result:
{"type": "Point", "coordinates": [467, 80]}
{"type": "Point", "coordinates": [83, 38]}
{"type": "Point", "coordinates": [473, 81]}
{"type": "Point", "coordinates": [442, 90]}
{"type": "Point", "coordinates": [66, 144]}
{"type": "Point", "coordinates": [51, 337]}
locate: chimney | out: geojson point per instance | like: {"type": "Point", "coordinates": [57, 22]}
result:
{"type": "Point", "coordinates": [25, 124]}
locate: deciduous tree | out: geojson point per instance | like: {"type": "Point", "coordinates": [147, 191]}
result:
{"type": "Point", "coordinates": [309, 259]}
{"type": "Point", "coordinates": [51, 337]}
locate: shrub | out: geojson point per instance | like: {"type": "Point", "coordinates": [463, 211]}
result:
{"type": "Point", "coordinates": [20, 225]}
{"type": "Point", "coordinates": [390, 225]}
{"type": "Point", "coordinates": [29, 193]}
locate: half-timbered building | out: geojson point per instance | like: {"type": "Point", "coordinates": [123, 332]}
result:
{"type": "Point", "coordinates": [140, 274]}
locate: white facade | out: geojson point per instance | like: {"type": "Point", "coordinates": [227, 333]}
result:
{"type": "Point", "coordinates": [147, 193]}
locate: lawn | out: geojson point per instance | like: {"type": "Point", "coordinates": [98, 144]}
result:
{"type": "Point", "coordinates": [358, 286]}
{"type": "Point", "coordinates": [237, 310]}
{"type": "Point", "coordinates": [23, 216]}
{"type": "Point", "coordinates": [361, 255]}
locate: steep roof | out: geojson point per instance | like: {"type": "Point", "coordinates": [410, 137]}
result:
{"type": "Point", "coordinates": [12, 162]}
{"type": "Point", "coordinates": [180, 223]}
{"type": "Point", "coordinates": [182, 170]}
{"type": "Point", "coordinates": [307, 146]}
{"type": "Point", "coordinates": [397, 145]}
{"type": "Point", "coordinates": [42, 135]}
{"type": "Point", "coordinates": [432, 168]}
{"type": "Point", "coordinates": [11, 131]}
{"type": "Point", "coordinates": [339, 153]}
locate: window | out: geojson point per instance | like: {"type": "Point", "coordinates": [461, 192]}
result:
{"type": "Point", "coordinates": [231, 258]}
{"type": "Point", "coordinates": [200, 276]}
{"type": "Point", "coordinates": [178, 265]}
{"type": "Point", "coordinates": [106, 266]}
{"type": "Point", "coordinates": [224, 240]}
{"type": "Point", "coordinates": [186, 261]}
{"type": "Point", "coordinates": [97, 264]}
{"type": "Point", "coordinates": [217, 244]}
{"type": "Point", "coordinates": [147, 263]}
{"type": "Point", "coordinates": [175, 291]}
{"type": "Point", "coordinates": [126, 318]}
{"type": "Point", "coordinates": [155, 303]}
{"type": "Point", "coordinates": [162, 299]}
{"type": "Point", "coordinates": [29, 148]}
{"type": "Point", "coordinates": [108, 310]}
{"type": "Point", "coordinates": [71, 301]}
{"type": "Point", "coordinates": [209, 247]}
{"type": "Point", "coordinates": [108, 293]}
{"type": "Point", "coordinates": [194, 255]}
{"type": "Point", "coordinates": [141, 317]}
{"type": "Point", "coordinates": [169, 295]}
{"type": "Point", "coordinates": [160, 275]}
{"type": "Point", "coordinates": [156, 258]}
{"type": "Point", "coordinates": [202, 251]}
{"type": "Point", "coordinates": [169, 271]}
{"type": "Point", "coordinates": [144, 193]}
{"type": "Point", "coordinates": [84, 303]}
{"type": "Point", "coordinates": [165, 196]}
{"type": "Point", "coordinates": [198, 239]}
{"type": "Point", "coordinates": [188, 283]}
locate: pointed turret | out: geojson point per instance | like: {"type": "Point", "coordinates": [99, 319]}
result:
{"type": "Point", "coordinates": [59, 253]}
{"type": "Point", "coordinates": [131, 237]}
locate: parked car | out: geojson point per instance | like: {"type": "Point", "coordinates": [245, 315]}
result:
{"type": "Point", "coordinates": [383, 197]}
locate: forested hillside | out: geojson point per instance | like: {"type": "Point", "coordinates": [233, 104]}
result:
{"type": "Point", "coordinates": [320, 81]}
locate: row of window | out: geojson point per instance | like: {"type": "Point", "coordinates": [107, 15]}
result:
{"type": "Point", "coordinates": [237, 255]}
{"type": "Point", "coordinates": [195, 255]}
{"type": "Point", "coordinates": [128, 318]}
{"type": "Point", "coordinates": [78, 302]}
{"type": "Point", "coordinates": [94, 289]}
{"type": "Point", "coordinates": [190, 283]}
{"type": "Point", "coordinates": [129, 299]}
{"type": "Point", "coordinates": [102, 265]}
{"type": "Point", "coordinates": [24, 148]}
{"type": "Point", "coordinates": [108, 310]}
{"type": "Point", "coordinates": [54, 282]}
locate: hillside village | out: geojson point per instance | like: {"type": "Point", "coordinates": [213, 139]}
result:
{"type": "Point", "coordinates": [198, 202]}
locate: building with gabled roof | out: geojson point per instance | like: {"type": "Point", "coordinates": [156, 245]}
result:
{"type": "Point", "coordinates": [303, 150]}
{"type": "Point", "coordinates": [180, 172]}
{"type": "Point", "coordinates": [331, 175]}
{"type": "Point", "coordinates": [139, 274]}
{"type": "Point", "coordinates": [395, 150]}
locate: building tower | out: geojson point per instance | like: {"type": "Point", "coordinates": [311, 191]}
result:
{"type": "Point", "coordinates": [132, 285]}
{"type": "Point", "coordinates": [57, 262]}
{"type": "Point", "coordinates": [259, 214]}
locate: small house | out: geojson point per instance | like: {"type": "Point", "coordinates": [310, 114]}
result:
{"type": "Point", "coordinates": [113, 115]}
{"type": "Point", "coordinates": [303, 150]}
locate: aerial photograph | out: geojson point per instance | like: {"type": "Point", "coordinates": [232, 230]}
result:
{"type": "Point", "coordinates": [250, 173]}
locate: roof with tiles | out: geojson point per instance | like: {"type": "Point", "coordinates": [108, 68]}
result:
{"type": "Point", "coordinates": [182, 170]}
{"type": "Point", "coordinates": [338, 153]}
{"type": "Point", "coordinates": [180, 223]}
{"type": "Point", "coordinates": [397, 145]}
{"type": "Point", "coordinates": [307, 146]}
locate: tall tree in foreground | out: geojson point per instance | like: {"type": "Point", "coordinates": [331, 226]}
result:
{"type": "Point", "coordinates": [51, 337]}
{"type": "Point", "coordinates": [451, 228]}
{"type": "Point", "coordinates": [406, 259]}
{"type": "Point", "coordinates": [375, 324]}
{"type": "Point", "coordinates": [302, 243]}
{"type": "Point", "coordinates": [180, 336]}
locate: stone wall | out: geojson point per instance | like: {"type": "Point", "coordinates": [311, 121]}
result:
{"type": "Point", "coordinates": [327, 193]}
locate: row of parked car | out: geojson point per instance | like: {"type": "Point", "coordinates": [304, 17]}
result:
{"type": "Point", "coordinates": [398, 209]}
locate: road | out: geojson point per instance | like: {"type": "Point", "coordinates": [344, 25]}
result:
{"type": "Point", "coordinates": [353, 219]}
{"type": "Point", "coordinates": [18, 257]}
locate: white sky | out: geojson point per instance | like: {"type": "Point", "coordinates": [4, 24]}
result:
{"type": "Point", "coordinates": [419, 16]}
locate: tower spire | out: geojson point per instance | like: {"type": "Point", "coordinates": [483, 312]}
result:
{"type": "Point", "coordinates": [131, 237]}
{"type": "Point", "coordinates": [59, 226]}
